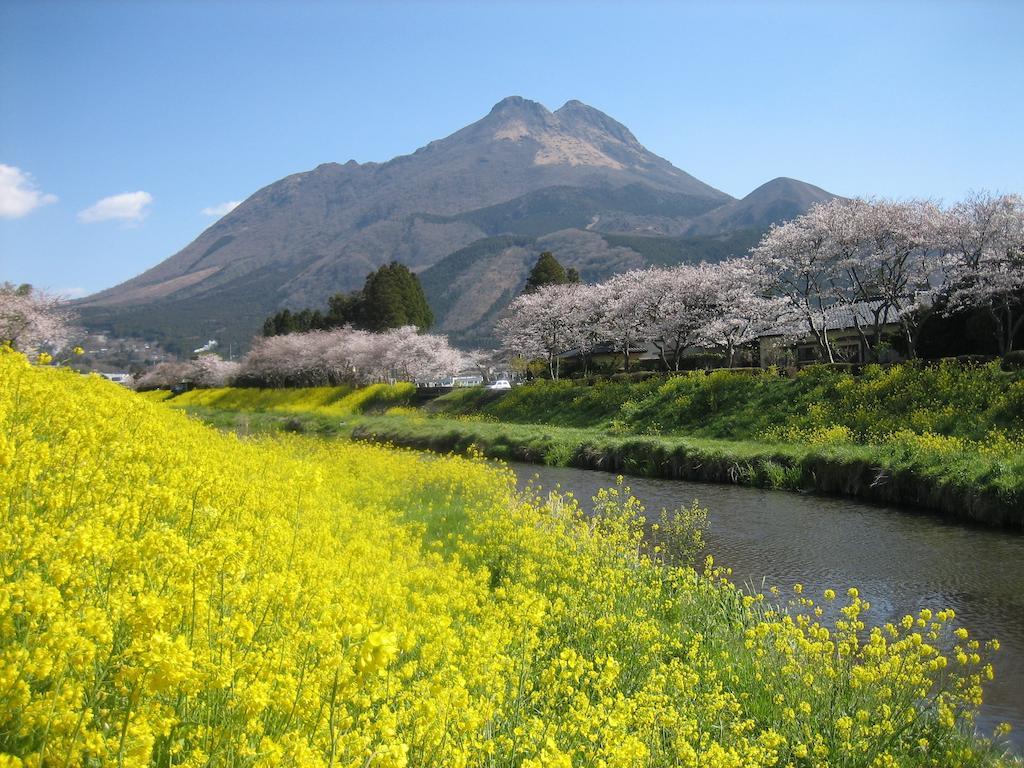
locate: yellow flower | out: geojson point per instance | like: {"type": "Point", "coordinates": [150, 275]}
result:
{"type": "Point", "coordinates": [172, 594]}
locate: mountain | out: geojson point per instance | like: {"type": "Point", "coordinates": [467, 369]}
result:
{"type": "Point", "coordinates": [521, 179]}
{"type": "Point", "coordinates": [777, 200]}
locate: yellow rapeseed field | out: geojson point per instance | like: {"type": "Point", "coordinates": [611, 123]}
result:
{"type": "Point", "coordinates": [176, 596]}
{"type": "Point", "coordinates": [329, 401]}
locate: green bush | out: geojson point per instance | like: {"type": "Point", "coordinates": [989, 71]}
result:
{"type": "Point", "coordinates": [1013, 361]}
{"type": "Point", "coordinates": [636, 376]}
{"type": "Point", "coordinates": [974, 359]}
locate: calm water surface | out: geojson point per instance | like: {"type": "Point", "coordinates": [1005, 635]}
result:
{"type": "Point", "coordinates": [900, 561]}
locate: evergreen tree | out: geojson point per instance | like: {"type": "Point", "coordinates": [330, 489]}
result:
{"type": "Point", "coordinates": [547, 271]}
{"type": "Point", "coordinates": [279, 323]}
{"type": "Point", "coordinates": [344, 309]}
{"type": "Point", "coordinates": [572, 275]}
{"type": "Point", "coordinates": [393, 297]}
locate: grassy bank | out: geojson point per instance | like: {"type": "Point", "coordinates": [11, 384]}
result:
{"type": "Point", "coordinates": [960, 486]}
{"type": "Point", "coordinates": [948, 400]}
{"type": "Point", "coordinates": [175, 596]}
{"type": "Point", "coordinates": [328, 401]}
{"type": "Point", "coordinates": [945, 438]}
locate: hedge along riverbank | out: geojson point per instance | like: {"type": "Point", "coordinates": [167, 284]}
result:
{"type": "Point", "coordinates": [891, 474]}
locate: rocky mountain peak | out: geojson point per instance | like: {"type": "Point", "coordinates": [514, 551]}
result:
{"type": "Point", "coordinates": [517, 105]}
{"type": "Point", "coordinates": [575, 115]}
{"type": "Point", "coordinates": [575, 135]}
{"type": "Point", "coordinates": [514, 117]}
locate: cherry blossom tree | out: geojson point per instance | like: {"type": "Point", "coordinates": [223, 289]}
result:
{"type": "Point", "coordinates": [32, 320]}
{"type": "Point", "coordinates": [581, 309]}
{"type": "Point", "coordinates": [340, 356]}
{"type": "Point", "coordinates": [407, 355]}
{"type": "Point", "coordinates": [628, 308]}
{"type": "Point", "coordinates": [798, 259]}
{"type": "Point", "coordinates": [886, 255]}
{"type": "Point", "coordinates": [984, 239]}
{"type": "Point", "coordinates": [878, 258]}
{"type": "Point", "coordinates": [535, 325]}
{"type": "Point", "coordinates": [163, 376]}
{"type": "Point", "coordinates": [213, 371]}
{"type": "Point", "coordinates": [686, 298]}
{"type": "Point", "coordinates": [743, 309]}
{"type": "Point", "coordinates": [205, 371]}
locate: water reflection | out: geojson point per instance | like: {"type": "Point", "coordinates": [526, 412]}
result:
{"type": "Point", "coordinates": [900, 561]}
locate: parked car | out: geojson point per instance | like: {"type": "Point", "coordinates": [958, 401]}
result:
{"type": "Point", "coordinates": [500, 384]}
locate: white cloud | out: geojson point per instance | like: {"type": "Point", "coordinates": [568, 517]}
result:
{"type": "Point", "coordinates": [18, 193]}
{"type": "Point", "coordinates": [223, 208]}
{"type": "Point", "coordinates": [73, 293]}
{"type": "Point", "coordinates": [128, 206]}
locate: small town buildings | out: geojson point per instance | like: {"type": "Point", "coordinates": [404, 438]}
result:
{"type": "Point", "coordinates": [793, 344]}
{"type": "Point", "coordinates": [785, 345]}
{"type": "Point", "coordinates": [118, 377]}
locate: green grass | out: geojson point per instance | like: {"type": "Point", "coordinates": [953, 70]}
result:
{"type": "Point", "coordinates": [947, 399]}
{"type": "Point", "coordinates": [945, 437]}
{"type": "Point", "coordinates": [964, 484]}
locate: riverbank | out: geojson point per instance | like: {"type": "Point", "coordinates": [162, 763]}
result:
{"type": "Point", "coordinates": [767, 538]}
{"type": "Point", "coordinates": [883, 474]}
{"type": "Point", "coordinates": [945, 438]}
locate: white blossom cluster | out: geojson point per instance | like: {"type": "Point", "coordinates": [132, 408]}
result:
{"type": "Point", "coordinates": [32, 320]}
{"type": "Point", "coordinates": [722, 305]}
{"type": "Point", "coordinates": [889, 260]}
{"type": "Point", "coordinates": [205, 371]}
{"type": "Point", "coordinates": [902, 257]}
{"type": "Point", "coordinates": [983, 239]}
{"type": "Point", "coordinates": [319, 358]}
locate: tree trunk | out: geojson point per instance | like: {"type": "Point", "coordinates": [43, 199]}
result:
{"type": "Point", "coordinates": [1010, 327]}
{"type": "Point", "coordinates": [867, 350]}
{"type": "Point", "coordinates": [1015, 327]}
{"type": "Point", "coordinates": [821, 337]}
{"type": "Point", "coordinates": [910, 334]}
{"type": "Point", "coordinates": [661, 353]}
{"type": "Point", "coordinates": [825, 345]}
{"type": "Point", "coordinates": [1001, 331]}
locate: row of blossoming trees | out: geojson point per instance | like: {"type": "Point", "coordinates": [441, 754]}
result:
{"type": "Point", "coordinates": [889, 262]}
{"type": "Point", "coordinates": [33, 321]}
{"type": "Point", "coordinates": [319, 358]}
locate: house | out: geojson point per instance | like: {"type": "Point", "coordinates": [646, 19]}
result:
{"type": "Point", "coordinates": [609, 356]}
{"type": "Point", "coordinates": [790, 343]}
{"type": "Point", "coordinates": [462, 379]}
{"type": "Point", "coordinates": [118, 378]}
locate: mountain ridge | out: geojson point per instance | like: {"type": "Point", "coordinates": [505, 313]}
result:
{"type": "Point", "coordinates": [521, 169]}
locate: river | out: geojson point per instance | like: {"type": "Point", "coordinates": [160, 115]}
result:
{"type": "Point", "coordinates": [899, 560]}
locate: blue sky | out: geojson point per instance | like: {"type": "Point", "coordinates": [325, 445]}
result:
{"type": "Point", "coordinates": [171, 108]}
